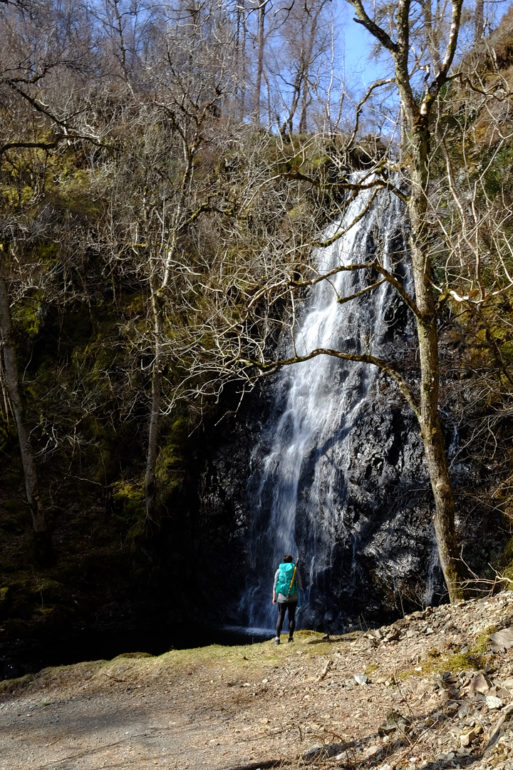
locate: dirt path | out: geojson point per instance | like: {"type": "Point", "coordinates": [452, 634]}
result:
{"type": "Point", "coordinates": [226, 707]}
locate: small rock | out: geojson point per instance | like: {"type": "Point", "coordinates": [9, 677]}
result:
{"type": "Point", "coordinates": [323, 752]}
{"type": "Point", "coordinates": [469, 736]}
{"type": "Point", "coordinates": [361, 678]}
{"type": "Point", "coordinates": [502, 640]}
{"type": "Point", "coordinates": [501, 693]}
{"type": "Point", "coordinates": [451, 707]}
{"type": "Point", "coordinates": [493, 702]}
{"type": "Point", "coordinates": [394, 721]}
{"type": "Point", "coordinates": [479, 684]}
{"type": "Point", "coordinates": [504, 723]}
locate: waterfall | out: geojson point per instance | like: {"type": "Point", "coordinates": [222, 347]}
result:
{"type": "Point", "coordinates": [317, 473]}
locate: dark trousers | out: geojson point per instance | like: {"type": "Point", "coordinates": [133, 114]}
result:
{"type": "Point", "coordinates": [282, 609]}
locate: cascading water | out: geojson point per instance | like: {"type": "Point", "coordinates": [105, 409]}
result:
{"type": "Point", "coordinates": [320, 469]}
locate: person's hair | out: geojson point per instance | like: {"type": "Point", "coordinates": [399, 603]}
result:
{"type": "Point", "coordinates": [288, 557]}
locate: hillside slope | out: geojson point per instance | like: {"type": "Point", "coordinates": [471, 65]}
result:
{"type": "Point", "coordinates": [431, 691]}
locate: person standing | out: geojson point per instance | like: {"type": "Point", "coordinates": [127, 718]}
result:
{"type": "Point", "coordinates": [287, 582]}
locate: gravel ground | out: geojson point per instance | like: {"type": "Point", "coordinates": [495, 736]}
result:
{"type": "Point", "coordinates": [432, 691]}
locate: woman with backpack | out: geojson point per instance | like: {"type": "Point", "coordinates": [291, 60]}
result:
{"type": "Point", "coordinates": [287, 582]}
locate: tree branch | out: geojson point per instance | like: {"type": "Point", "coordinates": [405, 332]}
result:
{"type": "Point", "coordinates": [363, 18]}
{"type": "Point", "coordinates": [385, 366]}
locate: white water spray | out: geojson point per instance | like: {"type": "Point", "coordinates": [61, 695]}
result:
{"type": "Point", "coordinates": [301, 468]}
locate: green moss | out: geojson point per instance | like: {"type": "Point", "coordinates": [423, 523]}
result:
{"type": "Point", "coordinates": [482, 640]}
{"type": "Point", "coordinates": [505, 562]}
{"type": "Point", "coordinates": [14, 685]}
{"type": "Point", "coordinates": [128, 499]}
{"type": "Point", "coordinates": [498, 174]}
{"type": "Point", "coordinates": [47, 589]}
{"type": "Point", "coordinates": [28, 315]}
{"type": "Point", "coordinates": [172, 462]}
{"type": "Point", "coordinates": [476, 658]}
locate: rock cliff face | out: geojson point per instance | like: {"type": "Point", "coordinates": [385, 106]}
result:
{"type": "Point", "coordinates": [366, 556]}
{"type": "Point", "coordinates": [326, 461]}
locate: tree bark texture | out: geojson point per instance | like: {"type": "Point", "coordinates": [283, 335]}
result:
{"type": "Point", "coordinates": [260, 61]}
{"type": "Point", "coordinates": [150, 482]}
{"type": "Point", "coordinates": [427, 336]}
{"type": "Point", "coordinates": [12, 383]}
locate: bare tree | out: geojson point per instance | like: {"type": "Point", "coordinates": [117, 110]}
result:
{"type": "Point", "coordinates": [23, 68]}
{"type": "Point", "coordinates": [10, 376]}
{"type": "Point", "coordinates": [419, 114]}
{"type": "Point", "coordinates": [157, 197]}
{"type": "Point", "coordinates": [304, 43]}
{"type": "Point", "coordinates": [261, 9]}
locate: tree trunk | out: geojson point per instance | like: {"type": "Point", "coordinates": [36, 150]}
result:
{"type": "Point", "coordinates": [260, 61]}
{"type": "Point", "coordinates": [150, 484]}
{"type": "Point", "coordinates": [42, 547]}
{"type": "Point", "coordinates": [241, 40]}
{"type": "Point", "coordinates": [427, 335]}
{"type": "Point", "coordinates": [478, 21]}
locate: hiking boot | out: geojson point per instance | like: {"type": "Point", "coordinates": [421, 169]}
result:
{"type": "Point", "coordinates": [290, 639]}
{"type": "Point", "coordinates": [277, 640]}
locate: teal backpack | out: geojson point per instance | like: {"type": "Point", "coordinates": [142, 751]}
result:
{"type": "Point", "coordinates": [286, 576]}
